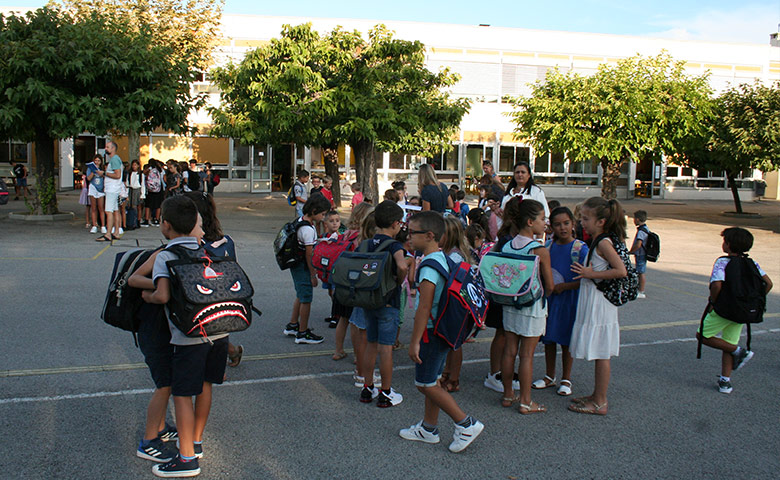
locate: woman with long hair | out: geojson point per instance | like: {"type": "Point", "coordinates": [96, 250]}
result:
{"type": "Point", "coordinates": [435, 195]}
{"type": "Point", "coordinates": [522, 185]}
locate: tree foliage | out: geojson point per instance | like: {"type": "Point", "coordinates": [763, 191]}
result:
{"type": "Point", "coordinates": [641, 106]}
{"type": "Point", "coordinates": [374, 94]}
{"type": "Point", "coordinates": [61, 76]}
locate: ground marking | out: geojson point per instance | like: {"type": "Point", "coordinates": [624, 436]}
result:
{"type": "Point", "coordinates": [312, 376]}
{"type": "Point", "coordinates": [71, 259]}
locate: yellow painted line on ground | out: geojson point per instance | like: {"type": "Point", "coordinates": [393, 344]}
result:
{"type": "Point", "coordinates": [678, 291]}
{"type": "Point", "coordinates": [289, 355]}
{"type": "Point", "coordinates": [102, 251]}
{"type": "Point", "coordinates": [71, 259]}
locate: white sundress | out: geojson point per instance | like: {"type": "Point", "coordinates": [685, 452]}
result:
{"type": "Point", "coordinates": [596, 332]}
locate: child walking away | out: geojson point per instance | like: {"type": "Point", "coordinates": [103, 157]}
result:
{"type": "Point", "coordinates": [639, 249]}
{"type": "Point", "coordinates": [303, 273]}
{"type": "Point", "coordinates": [299, 193]}
{"type": "Point", "coordinates": [382, 322]}
{"type": "Point", "coordinates": [738, 289]}
{"type": "Point", "coordinates": [596, 332]}
{"type": "Point", "coordinates": [429, 351]}
{"type": "Point", "coordinates": [565, 251]}
{"type": "Point", "coordinates": [524, 324]}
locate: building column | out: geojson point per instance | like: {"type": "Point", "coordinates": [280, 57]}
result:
{"type": "Point", "coordinates": [347, 155]}
{"type": "Point", "coordinates": [66, 164]}
{"type": "Point", "coordinates": [631, 186]}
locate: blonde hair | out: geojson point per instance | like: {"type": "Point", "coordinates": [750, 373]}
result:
{"type": "Point", "coordinates": [359, 213]}
{"type": "Point", "coordinates": [368, 229]}
{"type": "Point", "coordinates": [454, 238]}
{"type": "Point", "coordinates": [426, 176]}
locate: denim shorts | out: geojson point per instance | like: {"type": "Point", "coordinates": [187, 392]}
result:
{"type": "Point", "coordinates": [382, 325]}
{"type": "Point", "coordinates": [641, 264]}
{"type": "Point", "coordinates": [358, 318]}
{"type": "Point", "coordinates": [302, 281]}
{"type": "Point", "coordinates": [433, 355]}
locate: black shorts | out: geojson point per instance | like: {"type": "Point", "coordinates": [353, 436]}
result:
{"type": "Point", "coordinates": [495, 316]}
{"type": "Point", "coordinates": [195, 364]}
{"type": "Point", "coordinates": [153, 200]}
{"type": "Point", "coordinates": [339, 310]}
{"type": "Point", "coordinates": [154, 340]}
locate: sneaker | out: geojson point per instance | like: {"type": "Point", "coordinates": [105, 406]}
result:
{"type": "Point", "coordinates": [198, 447]}
{"type": "Point", "coordinates": [741, 358]}
{"type": "Point", "coordinates": [724, 386]}
{"type": "Point", "coordinates": [391, 399]}
{"type": "Point", "coordinates": [155, 451]}
{"type": "Point", "coordinates": [463, 436]}
{"type": "Point", "coordinates": [177, 468]}
{"type": "Point", "coordinates": [333, 323]}
{"type": "Point", "coordinates": [93, 230]}
{"type": "Point", "coordinates": [291, 329]}
{"type": "Point", "coordinates": [417, 433]}
{"type": "Point", "coordinates": [103, 230]}
{"type": "Point", "coordinates": [493, 382]}
{"type": "Point", "coordinates": [144, 224]}
{"type": "Point", "coordinates": [121, 232]}
{"type": "Point", "coordinates": [641, 295]}
{"type": "Point", "coordinates": [307, 337]}
{"type": "Point", "coordinates": [169, 433]}
{"type": "Point", "coordinates": [367, 395]}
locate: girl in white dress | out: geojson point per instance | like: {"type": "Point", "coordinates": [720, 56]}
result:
{"type": "Point", "coordinates": [596, 333]}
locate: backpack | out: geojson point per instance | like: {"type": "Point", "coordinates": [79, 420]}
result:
{"type": "Point", "coordinates": [292, 200]}
{"type": "Point", "coordinates": [652, 245]}
{"type": "Point", "coordinates": [131, 219]}
{"type": "Point", "coordinates": [326, 253]}
{"type": "Point", "coordinates": [209, 296]}
{"type": "Point", "coordinates": [364, 279]}
{"type": "Point", "coordinates": [575, 249]}
{"type": "Point", "coordinates": [463, 303]}
{"type": "Point", "coordinates": [154, 181]}
{"type": "Point", "coordinates": [193, 180]}
{"type": "Point", "coordinates": [122, 302]}
{"type": "Point", "coordinates": [215, 179]}
{"type": "Point", "coordinates": [287, 249]}
{"type": "Point", "coordinates": [618, 291]}
{"type": "Point", "coordinates": [3, 192]}
{"type": "Point", "coordinates": [512, 278]}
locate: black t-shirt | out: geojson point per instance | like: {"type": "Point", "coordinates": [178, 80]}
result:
{"type": "Point", "coordinates": [19, 170]}
{"type": "Point", "coordinates": [373, 244]}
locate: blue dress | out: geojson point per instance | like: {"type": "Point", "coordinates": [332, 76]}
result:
{"type": "Point", "coordinates": [562, 308]}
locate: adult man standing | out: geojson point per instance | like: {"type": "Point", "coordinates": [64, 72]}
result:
{"type": "Point", "coordinates": [113, 186]}
{"type": "Point", "coordinates": [20, 179]}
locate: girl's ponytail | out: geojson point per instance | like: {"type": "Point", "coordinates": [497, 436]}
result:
{"type": "Point", "coordinates": [616, 220]}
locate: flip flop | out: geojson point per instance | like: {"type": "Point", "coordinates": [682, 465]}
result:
{"type": "Point", "coordinates": [583, 408]}
{"type": "Point", "coordinates": [236, 359]}
{"type": "Point", "coordinates": [103, 238]}
{"type": "Point", "coordinates": [543, 383]}
{"type": "Point", "coordinates": [339, 356]}
{"type": "Point", "coordinates": [533, 407]}
{"type": "Point", "coordinates": [565, 389]}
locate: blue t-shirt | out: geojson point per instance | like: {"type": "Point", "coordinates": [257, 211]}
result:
{"type": "Point", "coordinates": [97, 180]}
{"type": "Point", "coordinates": [437, 196]}
{"type": "Point", "coordinates": [431, 275]}
{"type": "Point", "coordinates": [373, 244]}
{"type": "Point", "coordinates": [224, 247]}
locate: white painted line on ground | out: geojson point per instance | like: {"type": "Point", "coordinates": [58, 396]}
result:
{"type": "Point", "coordinates": [312, 376]}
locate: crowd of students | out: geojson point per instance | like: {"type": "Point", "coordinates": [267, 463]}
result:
{"type": "Point", "coordinates": [576, 251]}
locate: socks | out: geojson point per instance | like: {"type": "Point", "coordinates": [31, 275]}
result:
{"type": "Point", "coordinates": [187, 459]}
{"type": "Point", "coordinates": [467, 422]}
{"type": "Point", "coordinates": [725, 379]}
{"type": "Point", "coordinates": [430, 428]}
{"type": "Point", "coordinates": [387, 392]}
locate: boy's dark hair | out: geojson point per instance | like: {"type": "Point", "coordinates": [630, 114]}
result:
{"type": "Point", "coordinates": [316, 176]}
{"type": "Point", "coordinates": [473, 232]}
{"type": "Point", "coordinates": [392, 195]}
{"type": "Point", "coordinates": [181, 213]}
{"type": "Point", "coordinates": [455, 187]}
{"type": "Point", "coordinates": [316, 204]}
{"type": "Point", "coordinates": [429, 221]}
{"type": "Point", "coordinates": [387, 213]}
{"type": "Point", "coordinates": [553, 204]}
{"type": "Point", "coordinates": [738, 239]}
{"type": "Point", "coordinates": [398, 185]}
{"type": "Point", "coordinates": [641, 215]}
{"type": "Point", "coordinates": [303, 173]}
{"type": "Point", "coordinates": [495, 196]}
{"type": "Point", "coordinates": [331, 213]}
{"type": "Point", "coordinates": [403, 234]}
{"type": "Point", "coordinates": [561, 211]}
{"type": "Point", "coordinates": [477, 216]}
{"type": "Point", "coordinates": [356, 187]}
{"type": "Point", "coordinates": [460, 195]}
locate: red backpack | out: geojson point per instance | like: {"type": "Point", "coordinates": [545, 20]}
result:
{"type": "Point", "coordinates": [327, 251]}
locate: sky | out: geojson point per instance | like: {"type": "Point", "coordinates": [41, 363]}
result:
{"type": "Point", "coordinates": [713, 20]}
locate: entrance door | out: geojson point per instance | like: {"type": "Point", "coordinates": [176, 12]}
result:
{"type": "Point", "coordinates": [282, 167]}
{"type": "Point", "coordinates": [260, 169]}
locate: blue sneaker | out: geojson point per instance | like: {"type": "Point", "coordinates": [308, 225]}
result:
{"type": "Point", "coordinates": [155, 451]}
{"type": "Point", "coordinates": [169, 433]}
{"type": "Point", "coordinates": [177, 468]}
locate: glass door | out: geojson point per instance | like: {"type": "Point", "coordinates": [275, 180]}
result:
{"type": "Point", "coordinates": [260, 169]}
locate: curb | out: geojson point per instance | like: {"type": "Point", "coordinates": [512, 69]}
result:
{"type": "Point", "coordinates": [41, 218]}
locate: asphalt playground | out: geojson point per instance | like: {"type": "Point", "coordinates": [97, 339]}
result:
{"type": "Point", "coordinates": [73, 390]}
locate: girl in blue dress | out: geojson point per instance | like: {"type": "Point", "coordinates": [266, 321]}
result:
{"type": "Point", "coordinates": [565, 250]}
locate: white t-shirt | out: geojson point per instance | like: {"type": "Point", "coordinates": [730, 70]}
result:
{"type": "Point", "coordinates": [307, 235]}
{"type": "Point", "coordinates": [719, 270]}
{"type": "Point", "coordinates": [114, 185]}
{"type": "Point", "coordinates": [535, 193]}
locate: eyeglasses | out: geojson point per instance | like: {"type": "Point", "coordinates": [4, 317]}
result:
{"type": "Point", "coordinates": [412, 232]}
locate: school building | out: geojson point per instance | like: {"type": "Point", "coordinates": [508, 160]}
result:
{"type": "Point", "coordinates": [494, 63]}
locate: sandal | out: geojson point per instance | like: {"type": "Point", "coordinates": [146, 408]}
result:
{"type": "Point", "coordinates": [104, 238]}
{"type": "Point", "coordinates": [594, 409]}
{"type": "Point", "coordinates": [339, 356]}
{"type": "Point", "coordinates": [453, 386]}
{"type": "Point", "coordinates": [582, 399]}
{"type": "Point", "coordinates": [507, 402]}
{"type": "Point", "coordinates": [533, 407]}
{"type": "Point", "coordinates": [236, 359]}
{"type": "Point", "coordinates": [543, 383]}
{"type": "Point", "coordinates": [397, 345]}
{"type": "Point", "coordinates": [565, 389]}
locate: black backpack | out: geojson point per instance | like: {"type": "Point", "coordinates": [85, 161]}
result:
{"type": "Point", "coordinates": [652, 245]}
{"type": "Point", "coordinates": [287, 250]}
{"type": "Point", "coordinates": [209, 296]}
{"type": "Point", "coordinates": [618, 291]}
{"type": "Point", "coordinates": [193, 181]}
{"type": "Point", "coordinates": [122, 303]}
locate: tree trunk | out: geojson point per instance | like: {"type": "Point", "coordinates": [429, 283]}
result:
{"type": "Point", "coordinates": [331, 154]}
{"type": "Point", "coordinates": [734, 192]}
{"type": "Point", "coordinates": [45, 189]}
{"type": "Point", "coordinates": [365, 166]}
{"type": "Point", "coordinates": [609, 178]}
{"type": "Point", "coordinates": [133, 146]}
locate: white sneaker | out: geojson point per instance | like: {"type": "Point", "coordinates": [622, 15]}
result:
{"type": "Point", "coordinates": [121, 232]}
{"type": "Point", "coordinates": [641, 295]}
{"type": "Point", "coordinates": [391, 399]}
{"type": "Point", "coordinates": [463, 436]}
{"type": "Point", "coordinates": [103, 230]}
{"type": "Point", "coordinates": [93, 229]}
{"type": "Point", "coordinates": [417, 433]}
{"type": "Point", "coordinates": [494, 383]}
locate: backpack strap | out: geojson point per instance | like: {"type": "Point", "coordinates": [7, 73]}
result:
{"type": "Point", "coordinates": [594, 244]}
{"type": "Point", "coordinates": [363, 248]}
{"type": "Point", "coordinates": [575, 251]}
{"type": "Point", "coordinates": [434, 265]}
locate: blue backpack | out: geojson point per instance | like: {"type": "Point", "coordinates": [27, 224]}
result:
{"type": "Point", "coordinates": [463, 303]}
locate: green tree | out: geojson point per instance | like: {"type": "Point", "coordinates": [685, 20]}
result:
{"type": "Point", "coordinates": [743, 133]}
{"type": "Point", "coordinates": [374, 95]}
{"type": "Point", "coordinates": [641, 106]}
{"type": "Point", "coordinates": [60, 76]}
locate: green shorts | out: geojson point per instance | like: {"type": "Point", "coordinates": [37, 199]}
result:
{"type": "Point", "coordinates": [715, 324]}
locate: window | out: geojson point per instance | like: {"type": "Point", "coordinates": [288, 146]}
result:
{"type": "Point", "coordinates": [506, 158]}
{"type": "Point", "coordinates": [549, 163]}
{"type": "Point", "coordinates": [450, 160]}
{"type": "Point", "coordinates": [397, 161]}
{"type": "Point", "coordinates": [16, 151]}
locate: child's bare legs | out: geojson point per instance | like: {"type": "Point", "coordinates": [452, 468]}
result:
{"type": "Point", "coordinates": [550, 352]}
{"type": "Point", "coordinates": [525, 369]}
{"type": "Point", "coordinates": [385, 363]}
{"type": "Point", "coordinates": [359, 341]}
{"type": "Point", "coordinates": [641, 282]}
{"type": "Point", "coordinates": [341, 334]}
{"type": "Point", "coordinates": [727, 359]}
{"type": "Point", "coordinates": [155, 412]}
{"type": "Point", "coordinates": [296, 312]}
{"type": "Point", "coordinates": [508, 363]}
{"type": "Point", "coordinates": [599, 396]}
{"type": "Point", "coordinates": [454, 363]}
{"type": "Point", "coordinates": [303, 322]}
{"type": "Point", "coordinates": [436, 398]}
{"type": "Point", "coordinates": [567, 362]}
{"type": "Point", "coordinates": [87, 214]}
{"type": "Point", "coordinates": [202, 409]}
{"type": "Point", "coordinates": [185, 424]}
{"type": "Point", "coordinates": [497, 351]}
